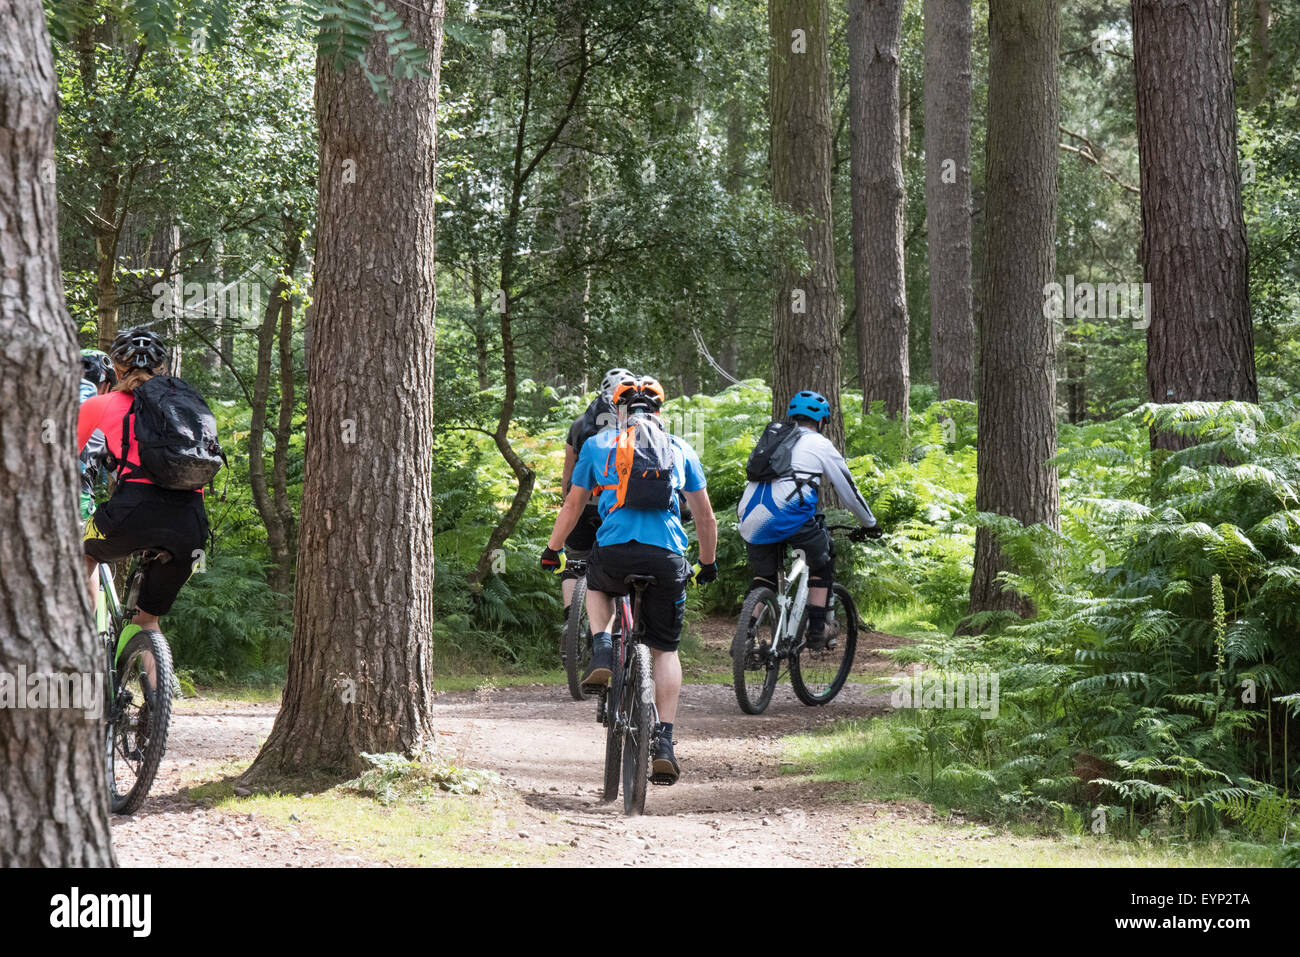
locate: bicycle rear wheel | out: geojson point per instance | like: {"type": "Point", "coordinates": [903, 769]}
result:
{"type": "Point", "coordinates": [577, 640]}
{"type": "Point", "coordinates": [139, 717]}
{"type": "Point", "coordinates": [818, 676]}
{"type": "Point", "coordinates": [639, 689]}
{"type": "Point", "coordinates": [754, 670]}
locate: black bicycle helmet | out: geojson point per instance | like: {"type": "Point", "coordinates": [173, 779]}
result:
{"type": "Point", "coordinates": [138, 348]}
{"type": "Point", "coordinates": [97, 367]}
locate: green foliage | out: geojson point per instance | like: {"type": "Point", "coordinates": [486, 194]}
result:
{"type": "Point", "coordinates": [394, 778]}
{"type": "Point", "coordinates": [225, 625]}
{"type": "Point", "coordinates": [1166, 623]}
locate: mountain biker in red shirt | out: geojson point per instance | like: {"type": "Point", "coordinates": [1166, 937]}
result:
{"type": "Point", "coordinates": [140, 514]}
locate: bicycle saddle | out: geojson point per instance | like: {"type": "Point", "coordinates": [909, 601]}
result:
{"type": "Point", "coordinates": [147, 555]}
{"type": "Point", "coordinates": [640, 580]}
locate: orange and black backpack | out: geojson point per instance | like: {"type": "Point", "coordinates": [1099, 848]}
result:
{"type": "Point", "coordinates": [640, 465]}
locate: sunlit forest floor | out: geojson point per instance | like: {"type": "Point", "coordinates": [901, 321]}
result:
{"type": "Point", "coordinates": [756, 790]}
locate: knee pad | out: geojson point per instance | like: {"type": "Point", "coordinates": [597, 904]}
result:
{"type": "Point", "coordinates": [823, 579]}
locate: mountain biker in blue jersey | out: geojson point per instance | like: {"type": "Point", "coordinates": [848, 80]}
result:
{"type": "Point", "coordinates": [783, 513]}
{"type": "Point", "coordinates": [639, 541]}
{"type": "Point", "coordinates": [600, 415]}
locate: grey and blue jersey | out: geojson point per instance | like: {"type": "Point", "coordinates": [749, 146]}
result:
{"type": "Point", "coordinates": [770, 512]}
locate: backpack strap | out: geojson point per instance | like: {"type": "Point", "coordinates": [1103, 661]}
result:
{"type": "Point", "coordinates": [122, 463]}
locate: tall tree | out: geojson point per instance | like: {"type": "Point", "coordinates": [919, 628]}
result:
{"type": "Point", "coordinates": [948, 91]}
{"type": "Point", "coordinates": [878, 202]}
{"type": "Point", "coordinates": [569, 337]}
{"type": "Point", "coordinates": [1194, 254]}
{"type": "Point", "coordinates": [53, 795]}
{"type": "Point", "coordinates": [806, 318]}
{"type": "Point", "coordinates": [360, 667]}
{"type": "Point", "coordinates": [1017, 361]}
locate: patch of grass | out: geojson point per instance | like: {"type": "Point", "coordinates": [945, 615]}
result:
{"type": "Point", "coordinates": [257, 694]}
{"type": "Point", "coordinates": [900, 840]}
{"type": "Point", "coordinates": [887, 760]}
{"type": "Point", "coordinates": [439, 829]}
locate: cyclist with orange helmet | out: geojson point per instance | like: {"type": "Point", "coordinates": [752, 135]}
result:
{"type": "Point", "coordinates": [640, 533]}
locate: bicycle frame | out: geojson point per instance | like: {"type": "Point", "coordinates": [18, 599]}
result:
{"type": "Point", "coordinates": [791, 606]}
{"type": "Point", "coordinates": [627, 613]}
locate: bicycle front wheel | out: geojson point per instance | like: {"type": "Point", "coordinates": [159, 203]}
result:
{"type": "Point", "coordinates": [577, 640]}
{"type": "Point", "coordinates": [818, 676]}
{"type": "Point", "coordinates": [139, 718]}
{"type": "Point", "coordinates": [640, 709]}
{"type": "Point", "coordinates": [754, 667]}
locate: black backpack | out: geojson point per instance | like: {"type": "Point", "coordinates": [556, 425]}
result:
{"type": "Point", "coordinates": [176, 433]}
{"type": "Point", "coordinates": [770, 459]}
{"type": "Point", "coordinates": [600, 415]}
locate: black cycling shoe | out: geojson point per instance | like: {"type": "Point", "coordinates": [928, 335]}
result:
{"type": "Point", "coordinates": [664, 768]}
{"type": "Point", "coordinates": [599, 669]}
{"type": "Point", "coordinates": [815, 640]}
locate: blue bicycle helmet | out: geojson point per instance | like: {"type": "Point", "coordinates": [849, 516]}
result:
{"type": "Point", "coordinates": [810, 404]}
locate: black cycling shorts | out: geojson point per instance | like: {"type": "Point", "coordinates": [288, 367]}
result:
{"type": "Point", "coordinates": [812, 539]}
{"type": "Point", "coordinates": [663, 605]}
{"type": "Point", "coordinates": [140, 516]}
{"type": "Point", "coordinates": [583, 537]}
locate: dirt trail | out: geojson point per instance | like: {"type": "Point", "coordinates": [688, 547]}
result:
{"type": "Point", "coordinates": [732, 805]}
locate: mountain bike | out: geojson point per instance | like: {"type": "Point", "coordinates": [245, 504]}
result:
{"type": "Point", "coordinates": [770, 633]}
{"type": "Point", "coordinates": [627, 706]}
{"type": "Point", "coordinates": [139, 680]}
{"type": "Point", "coordinates": [575, 650]}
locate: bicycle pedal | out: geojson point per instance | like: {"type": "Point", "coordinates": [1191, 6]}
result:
{"type": "Point", "coordinates": [663, 780]}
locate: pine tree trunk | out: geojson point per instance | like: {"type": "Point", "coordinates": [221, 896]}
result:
{"type": "Point", "coordinates": [807, 315]}
{"type": "Point", "coordinates": [267, 495]}
{"type": "Point", "coordinates": [1017, 368]}
{"type": "Point", "coordinates": [948, 85]}
{"type": "Point", "coordinates": [360, 668]}
{"type": "Point", "coordinates": [568, 353]}
{"type": "Point", "coordinates": [1200, 345]}
{"type": "Point", "coordinates": [878, 203]}
{"type": "Point", "coordinates": [1261, 51]}
{"type": "Point", "coordinates": [53, 793]}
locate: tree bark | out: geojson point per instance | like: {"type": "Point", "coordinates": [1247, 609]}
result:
{"type": "Point", "coordinates": [948, 92]}
{"type": "Point", "coordinates": [878, 202]}
{"type": "Point", "coordinates": [568, 355]}
{"type": "Point", "coordinates": [808, 312]}
{"type": "Point", "coordinates": [1017, 368]}
{"type": "Point", "coordinates": [1261, 51]}
{"type": "Point", "coordinates": [1200, 345]}
{"type": "Point", "coordinates": [53, 794]}
{"type": "Point", "coordinates": [360, 667]}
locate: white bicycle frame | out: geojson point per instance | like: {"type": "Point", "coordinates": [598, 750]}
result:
{"type": "Point", "coordinates": [792, 606]}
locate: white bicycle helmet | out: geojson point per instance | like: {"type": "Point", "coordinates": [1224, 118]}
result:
{"type": "Point", "coordinates": [612, 378]}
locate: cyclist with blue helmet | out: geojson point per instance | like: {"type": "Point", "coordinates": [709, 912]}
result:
{"type": "Point", "coordinates": [783, 512]}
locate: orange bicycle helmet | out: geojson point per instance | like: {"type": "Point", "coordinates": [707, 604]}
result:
{"type": "Point", "coordinates": [643, 393]}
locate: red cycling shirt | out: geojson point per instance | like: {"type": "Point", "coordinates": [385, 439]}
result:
{"type": "Point", "coordinates": [105, 412]}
